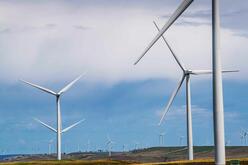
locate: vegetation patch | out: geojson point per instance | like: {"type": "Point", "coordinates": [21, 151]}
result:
{"type": "Point", "coordinates": [243, 161]}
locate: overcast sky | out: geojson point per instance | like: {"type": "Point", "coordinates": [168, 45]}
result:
{"type": "Point", "coordinates": [52, 42]}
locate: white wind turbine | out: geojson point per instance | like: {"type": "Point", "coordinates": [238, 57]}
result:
{"type": "Point", "coordinates": [182, 7]}
{"type": "Point", "coordinates": [136, 145]}
{"type": "Point", "coordinates": [109, 144]}
{"type": "Point", "coordinates": [88, 146]}
{"type": "Point", "coordinates": [123, 148]}
{"type": "Point", "coordinates": [50, 142]}
{"type": "Point", "coordinates": [246, 135]}
{"type": "Point", "coordinates": [186, 75]}
{"type": "Point", "coordinates": [161, 138]}
{"type": "Point", "coordinates": [243, 136]}
{"type": "Point", "coordinates": [59, 130]}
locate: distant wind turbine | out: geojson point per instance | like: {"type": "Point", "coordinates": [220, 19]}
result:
{"type": "Point", "coordinates": [88, 145]}
{"type": "Point", "coordinates": [161, 138]}
{"type": "Point", "coordinates": [123, 148]}
{"type": "Point", "coordinates": [136, 144]}
{"type": "Point", "coordinates": [109, 145]}
{"type": "Point", "coordinates": [59, 129]}
{"type": "Point", "coordinates": [243, 136]}
{"type": "Point", "coordinates": [50, 142]}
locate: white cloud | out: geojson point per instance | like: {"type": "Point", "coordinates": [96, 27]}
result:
{"type": "Point", "coordinates": [108, 46]}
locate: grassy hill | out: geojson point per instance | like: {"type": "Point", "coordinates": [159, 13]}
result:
{"type": "Point", "coordinates": [155, 154]}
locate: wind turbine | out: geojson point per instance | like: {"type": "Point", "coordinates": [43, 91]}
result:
{"type": "Point", "coordinates": [161, 138]}
{"type": "Point", "coordinates": [59, 129]}
{"type": "Point", "coordinates": [50, 142]}
{"type": "Point", "coordinates": [109, 145]}
{"type": "Point", "coordinates": [123, 148]}
{"type": "Point", "coordinates": [186, 75]}
{"type": "Point", "coordinates": [245, 135]}
{"type": "Point", "coordinates": [136, 144]}
{"type": "Point", "coordinates": [88, 145]}
{"type": "Point", "coordinates": [182, 7]}
{"type": "Point", "coordinates": [241, 136]}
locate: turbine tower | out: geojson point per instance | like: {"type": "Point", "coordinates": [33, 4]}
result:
{"type": "Point", "coordinates": [218, 107]}
{"type": "Point", "coordinates": [59, 130]}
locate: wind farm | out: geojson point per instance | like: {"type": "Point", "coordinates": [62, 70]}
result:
{"type": "Point", "coordinates": [127, 108]}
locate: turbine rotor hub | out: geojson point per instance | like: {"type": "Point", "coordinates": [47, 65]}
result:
{"type": "Point", "coordinates": [188, 72]}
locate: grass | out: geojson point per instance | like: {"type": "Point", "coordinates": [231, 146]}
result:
{"type": "Point", "coordinates": [243, 161]}
{"type": "Point", "coordinates": [69, 162]}
{"type": "Point", "coordinates": [203, 155]}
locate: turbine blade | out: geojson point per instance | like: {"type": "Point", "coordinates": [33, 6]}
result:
{"type": "Point", "coordinates": [46, 125]}
{"type": "Point", "coordinates": [69, 85]}
{"type": "Point", "coordinates": [172, 52]}
{"type": "Point", "coordinates": [171, 99]}
{"type": "Point", "coordinates": [73, 125]}
{"type": "Point", "coordinates": [183, 6]}
{"type": "Point", "coordinates": [201, 72]}
{"type": "Point", "coordinates": [229, 71]}
{"type": "Point", "coordinates": [40, 87]}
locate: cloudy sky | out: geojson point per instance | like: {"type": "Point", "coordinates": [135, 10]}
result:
{"type": "Point", "coordinates": [52, 42]}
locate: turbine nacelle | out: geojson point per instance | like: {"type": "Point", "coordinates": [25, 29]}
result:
{"type": "Point", "coordinates": [188, 72]}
